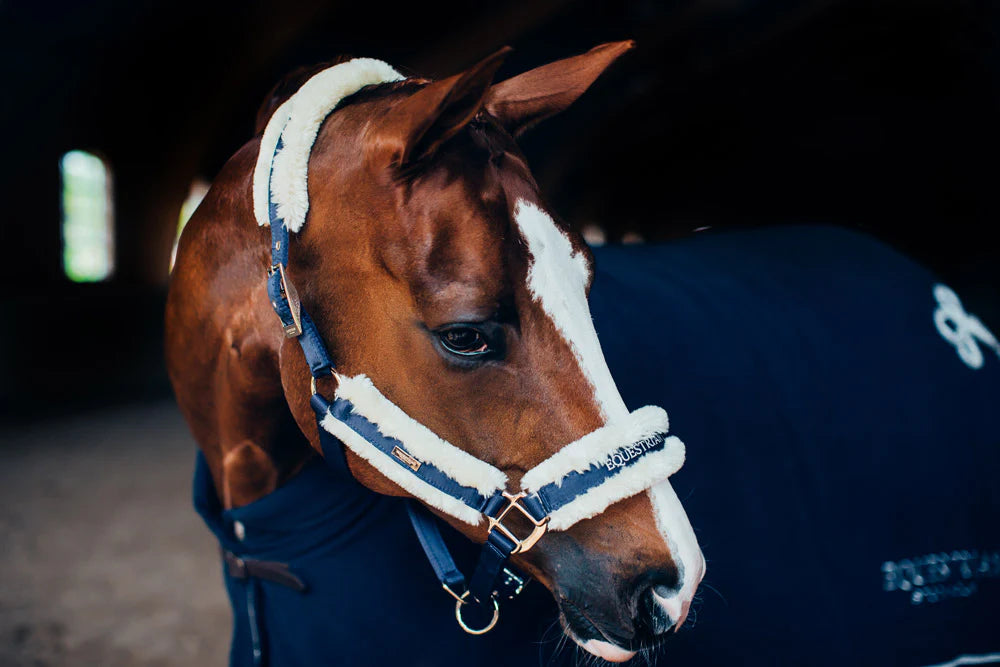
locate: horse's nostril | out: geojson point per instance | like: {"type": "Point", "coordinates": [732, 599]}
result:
{"type": "Point", "coordinates": [655, 604]}
{"type": "Point", "coordinates": [665, 591]}
{"type": "Point", "coordinates": [652, 615]}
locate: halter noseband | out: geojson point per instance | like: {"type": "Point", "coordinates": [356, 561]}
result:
{"type": "Point", "coordinates": [579, 481]}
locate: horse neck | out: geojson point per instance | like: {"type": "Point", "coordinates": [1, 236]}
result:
{"type": "Point", "coordinates": [223, 343]}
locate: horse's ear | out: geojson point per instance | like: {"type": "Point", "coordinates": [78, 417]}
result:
{"type": "Point", "coordinates": [418, 125]}
{"type": "Point", "coordinates": [524, 100]}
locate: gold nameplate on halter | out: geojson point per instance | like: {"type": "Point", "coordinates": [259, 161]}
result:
{"type": "Point", "coordinates": [406, 459]}
{"type": "Point", "coordinates": [521, 544]}
{"type": "Point", "coordinates": [293, 330]}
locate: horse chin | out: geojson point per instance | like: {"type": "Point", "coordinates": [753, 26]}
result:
{"type": "Point", "coordinates": [598, 647]}
{"type": "Point", "coordinates": [607, 651]}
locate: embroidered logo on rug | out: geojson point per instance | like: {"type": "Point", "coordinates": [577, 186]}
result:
{"type": "Point", "coordinates": [961, 329]}
{"type": "Point", "coordinates": [935, 577]}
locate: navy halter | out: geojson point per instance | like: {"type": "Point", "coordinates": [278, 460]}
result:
{"type": "Point", "coordinates": [492, 579]}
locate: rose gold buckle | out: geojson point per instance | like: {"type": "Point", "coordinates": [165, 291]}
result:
{"type": "Point", "coordinates": [522, 544]}
{"type": "Point", "coordinates": [293, 330]}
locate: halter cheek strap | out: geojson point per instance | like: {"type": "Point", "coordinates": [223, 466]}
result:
{"type": "Point", "coordinates": [581, 480]}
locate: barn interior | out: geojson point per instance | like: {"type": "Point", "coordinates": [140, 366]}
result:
{"type": "Point", "coordinates": [874, 115]}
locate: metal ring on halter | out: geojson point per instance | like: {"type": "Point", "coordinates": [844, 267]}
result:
{"type": "Point", "coordinates": [460, 600]}
{"type": "Point", "coordinates": [312, 380]}
{"type": "Point", "coordinates": [473, 631]}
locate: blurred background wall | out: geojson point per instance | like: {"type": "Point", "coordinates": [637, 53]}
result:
{"type": "Point", "coordinates": [873, 114]}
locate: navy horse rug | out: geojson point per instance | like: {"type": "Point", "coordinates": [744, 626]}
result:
{"type": "Point", "coordinates": [840, 410]}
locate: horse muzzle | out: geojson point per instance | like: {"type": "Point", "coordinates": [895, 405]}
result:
{"type": "Point", "coordinates": [615, 605]}
{"type": "Point", "coordinates": [644, 619]}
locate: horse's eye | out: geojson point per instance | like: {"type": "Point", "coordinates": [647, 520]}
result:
{"type": "Point", "coordinates": [464, 341]}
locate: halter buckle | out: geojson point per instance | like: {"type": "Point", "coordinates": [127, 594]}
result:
{"type": "Point", "coordinates": [522, 544]}
{"type": "Point", "coordinates": [293, 329]}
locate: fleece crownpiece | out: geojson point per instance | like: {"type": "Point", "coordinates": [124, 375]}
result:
{"type": "Point", "coordinates": [281, 176]}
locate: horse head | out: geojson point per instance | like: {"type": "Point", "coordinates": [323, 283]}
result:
{"type": "Point", "coordinates": [439, 280]}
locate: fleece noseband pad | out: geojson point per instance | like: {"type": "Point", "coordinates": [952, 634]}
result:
{"type": "Point", "coordinates": [581, 480]}
{"type": "Point", "coordinates": [614, 462]}
{"type": "Point", "coordinates": [409, 453]}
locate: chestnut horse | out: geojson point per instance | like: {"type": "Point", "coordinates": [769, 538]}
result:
{"type": "Point", "coordinates": [430, 264]}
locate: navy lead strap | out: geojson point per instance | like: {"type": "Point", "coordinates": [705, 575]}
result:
{"type": "Point", "coordinates": [492, 579]}
{"type": "Point", "coordinates": [425, 525]}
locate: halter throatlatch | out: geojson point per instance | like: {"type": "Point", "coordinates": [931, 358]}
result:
{"type": "Point", "coordinates": [579, 481]}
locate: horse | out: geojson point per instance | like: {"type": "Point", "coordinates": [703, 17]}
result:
{"type": "Point", "coordinates": [839, 398]}
{"type": "Point", "coordinates": [454, 305]}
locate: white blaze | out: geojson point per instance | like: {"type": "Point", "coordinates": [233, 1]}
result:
{"type": "Point", "coordinates": [557, 279]}
{"type": "Point", "coordinates": [676, 529]}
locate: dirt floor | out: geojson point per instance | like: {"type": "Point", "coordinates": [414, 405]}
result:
{"type": "Point", "coordinates": [103, 561]}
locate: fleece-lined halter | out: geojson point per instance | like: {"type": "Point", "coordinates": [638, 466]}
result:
{"type": "Point", "coordinates": [581, 480]}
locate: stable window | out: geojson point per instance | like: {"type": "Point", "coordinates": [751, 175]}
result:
{"type": "Point", "coordinates": [87, 217]}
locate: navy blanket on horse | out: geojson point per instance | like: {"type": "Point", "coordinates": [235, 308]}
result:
{"type": "Point", "coordinates": [840, 415]}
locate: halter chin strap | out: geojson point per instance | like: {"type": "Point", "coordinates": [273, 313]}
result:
{"type": "Point", "coordinates": [581, 480]}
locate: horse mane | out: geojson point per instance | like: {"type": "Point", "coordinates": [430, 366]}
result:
{"type": "Point", "coordinates": [289, 84]}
